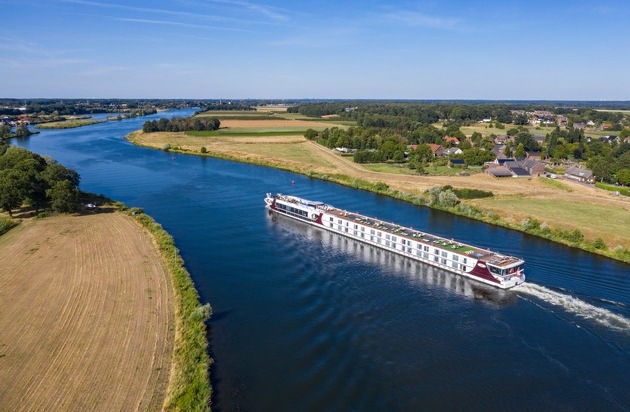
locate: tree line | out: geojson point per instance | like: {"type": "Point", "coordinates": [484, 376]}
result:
{"type": "Point", "coordinates": [181, 124]}
{"type": "Point", "coordinates": [39, 182]}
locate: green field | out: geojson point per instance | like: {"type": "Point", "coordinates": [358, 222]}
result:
{"type": "Point", "coordinates": [244, 132]}
{"type": "Point", "coordinates": [402, 169]}
{"type": "Point", "coordinates": [540, 130]}
{"type": "Point", "coordinates": [595, 220]}
{"type": "Point", "coordinates": [268, 115]}
{"type": "Point", "coordinates": [555, 183]}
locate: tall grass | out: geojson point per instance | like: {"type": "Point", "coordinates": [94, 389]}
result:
{"type": "Point", "coordinates": [6, 225]}
{"type": "Point", "coordinates": [189, 385]}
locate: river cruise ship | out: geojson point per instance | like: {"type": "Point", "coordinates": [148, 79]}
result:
{"type": "Point", "coordinates": [482, 265]}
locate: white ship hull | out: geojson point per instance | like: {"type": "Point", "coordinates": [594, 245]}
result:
{"type": "Point", "coordinates": [483, 266]}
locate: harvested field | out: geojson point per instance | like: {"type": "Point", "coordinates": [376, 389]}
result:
{"type": "Point", "coordinates": [87, 318]}
{"type": "Point", "coordinates": [276, 124]}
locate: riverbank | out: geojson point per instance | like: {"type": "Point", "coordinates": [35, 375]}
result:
{"type": "Point", "coordinates": [98, 315]}
{"type": "Point", "coordinates": [602, 218]}
{"type": "Point", "coordinates": [189, 386]}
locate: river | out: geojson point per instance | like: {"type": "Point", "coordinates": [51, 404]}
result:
{"type": "Point", "coordinates": [305, 320]}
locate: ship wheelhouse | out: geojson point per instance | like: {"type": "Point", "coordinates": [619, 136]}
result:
{"type": "Point", "coordinates": [512, 270]}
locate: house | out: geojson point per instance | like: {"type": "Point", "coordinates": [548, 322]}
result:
{"type": "Point", "coordinates": [499, 151]}
{"type": "Point", "coordinates": [580, 126]}
{"type": "Point", "coordinates": [502, 161]}
{"type": "Point", "coordinates": [451, 139]}
{"type": "Point", "coordinates": [533, 167]}
{"type": "Point", "coordinates": [499, 172]}
{"type": "Point", "coordinates": [525, 167]}
{"type": "Point", "coordinates": [519, 172]}
{"type": "Point", "coordinates": [580, 174]}
{"type": "Point", "coordinates": [533, 155]}
{"type": "Point", "coordinates": [501, 139]}
{"type": "Point", "coordinates": [436, 149]}
{"type": "Point", "coordinates": [452, 151]}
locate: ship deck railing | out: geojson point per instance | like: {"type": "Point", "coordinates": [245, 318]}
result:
{"type": "Point", "coordinates": [442, 243]}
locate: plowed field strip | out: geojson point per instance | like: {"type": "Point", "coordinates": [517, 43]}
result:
{"type": "Point", "coordinates": [86, 316]}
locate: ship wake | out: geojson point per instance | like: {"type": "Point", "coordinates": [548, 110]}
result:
{"type": "Point", "coordinates": [576, 306]}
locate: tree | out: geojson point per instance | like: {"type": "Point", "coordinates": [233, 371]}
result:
{"type": "Point", "coordinates": [519, 153]}
{"type": "Point", "coordinates": [311, 134]}
{"type": "Point", "coordinates": [55, 172]}
{"type": "Point", "coordinates": [424, 153]}
{"type": "Point", "coordinates": [64, 196]}
{"type": "Point", "coordinates": [623, 177]}
{"type": "Point", "coordinates": [5, 131]}
{"type": "Point", "coordinates": [22, 131]}
{"type": "Point", "coordinates": [13, 184]}
{"type": "Point", "coordinates": [477, 157]}
{"type": "Point", "coordinates": [601, 167]}
{"type": "Point", "coordinates": [528, 141]}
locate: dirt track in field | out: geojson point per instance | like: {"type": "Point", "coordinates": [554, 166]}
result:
{"type": "Point", "coordinates": [86, 316]}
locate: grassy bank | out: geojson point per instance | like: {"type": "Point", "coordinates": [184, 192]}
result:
{"type": "Point", "coordinates": [557, 232]}
{"type": "Point", "coordinates": [612, 188]}
{"type": "Point", "coordinates": [6, 225]}
{"type": "Point", "coordinates": [189, 385]}
{"type": "Point", "coordinates": [68, 124]}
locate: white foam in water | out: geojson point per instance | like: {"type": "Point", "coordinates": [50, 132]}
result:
{"type": "Point", "coordinates": [576, 306]}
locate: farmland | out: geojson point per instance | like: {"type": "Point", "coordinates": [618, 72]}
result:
{"type": "Point", "coordinates": [280, 143]}
{"type": "Point", "coordinates": [87, 316]}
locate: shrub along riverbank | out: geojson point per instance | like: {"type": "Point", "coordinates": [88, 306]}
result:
{"type": "Point", "coordinates": [6, 225]}
{"type": "Point", "coordinates": [573, 238]}
{"type": "Point", "coordinates": [189, 385]}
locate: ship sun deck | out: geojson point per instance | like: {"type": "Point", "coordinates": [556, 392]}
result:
{"type": "Point", "coordinates": [432, 240]}
{"type": "Point", "coordinates": [474, 262]}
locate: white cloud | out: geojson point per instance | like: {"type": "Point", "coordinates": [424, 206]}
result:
{"type": "Point", "coordinates": [418, 19]}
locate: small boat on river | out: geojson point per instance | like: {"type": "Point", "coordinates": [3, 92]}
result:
{"type": "Point", "coordinates": [482, 265]}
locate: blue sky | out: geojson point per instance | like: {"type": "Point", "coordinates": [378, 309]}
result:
{"type": "Point", "coordinates": [566, 50]}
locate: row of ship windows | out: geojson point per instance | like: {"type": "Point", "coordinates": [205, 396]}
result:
{"type": "Point", "coordinates": [422, 251]}
{"type": "Point", "coordinates": [292, 209]}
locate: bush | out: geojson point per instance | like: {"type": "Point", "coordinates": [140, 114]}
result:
{"type": "Point", "coordinates": [599, 244]}
{"type": "Point", "coordinates": [381, 187]}
{"type": "Point", "coordinates": [544, 227]}
{"type": "Point", "coordinates": [442, 196]}
{"type": "Point", "coordinates": [448, 199]}
{"type": "Point", "coordinates": [472, 193]}
{"type": "Point", "coordinates": [530, 224]}
{"type": "Point", "coordinates": [6, 225]}
{"type": "Point", "coordinates": [203, 149]}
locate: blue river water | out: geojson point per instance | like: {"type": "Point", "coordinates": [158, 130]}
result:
{"type": "Point", "coordinates": [305, 320]}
